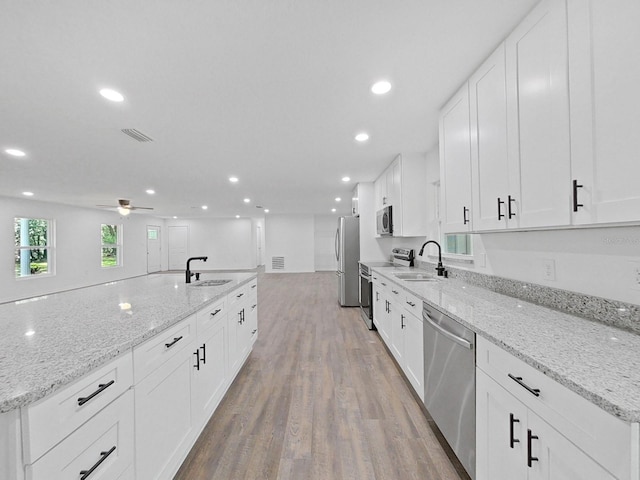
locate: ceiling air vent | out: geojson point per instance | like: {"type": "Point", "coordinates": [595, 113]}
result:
{"type": "Point", "coordinates": [136, 135]}
{"type": "Point", "coordinates": [277, 263]}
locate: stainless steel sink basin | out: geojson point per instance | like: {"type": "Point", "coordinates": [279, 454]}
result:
{"type": "Point", "coordinates": [209, 283]}
{"type": "Point", "coordinates": [416, 277]}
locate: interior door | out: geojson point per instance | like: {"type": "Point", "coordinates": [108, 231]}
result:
{"type": "Point", "coordinates": [153, 249]}
{"type": "Point", "coordinates": [178, 247]}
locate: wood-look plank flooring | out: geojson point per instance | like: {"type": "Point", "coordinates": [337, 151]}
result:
{"type": "Point", "coordinates": [319, 399]}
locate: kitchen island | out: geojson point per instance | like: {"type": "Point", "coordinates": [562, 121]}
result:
{"type": "Point", "coordinates": [53, 344]}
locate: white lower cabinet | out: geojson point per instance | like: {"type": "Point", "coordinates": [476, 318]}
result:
{"type": "Point", "coordinates": [530, 427]}
{"type": "Point", "coordinates": [164, 418]}
{"type": "Point", "coordinates": [414, 353]}
{"type": "Point", "coordinates": [381, 310]}
{"type": "Point", "coordinates": [102, 448]}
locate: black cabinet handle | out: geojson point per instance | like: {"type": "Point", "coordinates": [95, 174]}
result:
{"type": "Point", "coordinates": [465, 220]}
{"type": "Point", "coordinates": [239, 295]}
{"type": "Point", "coordinates": [518, 380]}
{"type": "Point", "coordinates": [576, 205]}
{"type": "Point", "coordinates": [254, 332]}
{"type": "Point", "coordinates": [254, 286]}
{"type": "Point", "coordinates": [411, 303]}
{"type": "Point", "coordinates": [512, 421]}
{"type": "Point", "coordinates": [103, 456]}
{"type": "Point", "coordinates": [530, 458]}
{"type": "Point", "coordinates": [197, 354]}
{"type": "Point", "coordinates": [402, 325]}
{"type": "Point", "coordinates": [509, 212]}
{"type": "Point", "coordinates": [500, 214]}
{"type": "Point", "coordinates": [240, 316]}
{"type": "Point", "coordinates": [175, 340]}
{"type": "Point", "coordinates": [217, 311]}
{"type": "Point", "coordinates": [101, 388]}
{"type": "Point", "coordinates": [383, 284]}
{"type": "Point", "coordinates": [253, 307]}
{"type": "Point", "coordinates": [204, 353]}
{"type": "Point", "coordinates": [395, 292]}
{"type": "Point", "coordinates": [377, 296]}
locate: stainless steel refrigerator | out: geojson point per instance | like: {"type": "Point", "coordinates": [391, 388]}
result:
{"type": "Point", "coordinates": [347, 256]}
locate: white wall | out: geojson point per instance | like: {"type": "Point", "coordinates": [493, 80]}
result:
{"type": "Point", "coordinates": [230, 243]}
{"type": "Point", "coordinates": [77, 247]}
{"type": "Point", "coordinates": [292, 237]}
{"type": "Point", "coordinates": [325, 227]}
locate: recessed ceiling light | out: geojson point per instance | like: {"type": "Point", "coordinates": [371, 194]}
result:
{"type": "Point", "coordinates": [333, 209]}
{"type": "Point", "coordinates": [338, 199]}
{"type": "Point", "coordinates": [346, 179]}
{"type": "Point", "coordinates": [233, 179]}
{"type": "Point", "coordinates": [14, 152]}
{"type": "Point", "coordinates": [151, 191]}
{"type": "Point", "coordinates": [362, 137]}
{"type": "Point", "coordinates": [247, 200]}
{"type": "Point", "coordinates": [112, 95]}
{"type": "Point", "coordinates": [204, 207]}
{"type": "Point", "coordinates": [237, 216]}
{"type": "Point", "coordinates": [174, 217]}
{"type": "Point", "coordinates": [266, 210]}
{"type": "Point", "coordinates": [381, 87]}
{"type": "Point", "coordinates": [28, 194]}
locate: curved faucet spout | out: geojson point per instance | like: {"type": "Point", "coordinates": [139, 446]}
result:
{"type": "Point", "coordinates": [188, 273]}
{"type": "Point", "coordinates": [440, 269]}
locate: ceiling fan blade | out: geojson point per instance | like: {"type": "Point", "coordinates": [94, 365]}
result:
{"type": "Point", "coordinates": [141, 208]}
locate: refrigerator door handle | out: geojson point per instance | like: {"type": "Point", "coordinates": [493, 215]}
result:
{"type": "Point", "coordinates": [336, 244]}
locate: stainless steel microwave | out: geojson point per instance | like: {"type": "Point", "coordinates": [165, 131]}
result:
{"type": "Point", "coordinates": [384, 223]}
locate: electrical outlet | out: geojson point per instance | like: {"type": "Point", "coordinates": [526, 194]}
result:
{"type": "Point", "coordinates": [548, 269]}
{"type": "Point", "coordinates": [635, 274]}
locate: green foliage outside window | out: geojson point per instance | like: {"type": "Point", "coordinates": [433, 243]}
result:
{"type": "Point", "coordinates": [31, 246]}
{"type": "Point", "coordinates": [110, 245]}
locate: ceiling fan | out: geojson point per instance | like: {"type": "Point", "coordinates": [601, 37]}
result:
{"type": "Point", "coordinates": [125, 207]}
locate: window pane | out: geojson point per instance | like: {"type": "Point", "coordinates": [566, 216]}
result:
{"type": "Point", "coordinates": [152, 234]}
{"type": "Point", "coordinates": [31, 261]}
{"type": "Point", "coordinates": [109, 257]}
{"type": "Point", "coordinates": [31, 232]}
{"type": "Point", "coordinates": [458, 244]}
{"type": "Point", "coordinates": [109, 234]}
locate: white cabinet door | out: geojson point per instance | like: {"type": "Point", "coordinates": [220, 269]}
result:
{"type": "Point", "coordinates": [538, 118]}
{"type": "Point", "coordinates": [381, 312]}
{"type": "Point", "coordinates": [455, 164]}
{"type": "Point", "coordinates": [604, 68]}
{"type": "Point", "coordinates": [501, 442]}
{"type": "Point", "coordinates": [397, 324]}
{"type": "Point", "coordinates": [414, 353]}
{"type": "Point", "coordinates": [210, 379]}
{"type": "Point", "coordinates": [394, 186]}
{"type": "Point", "coordinates": [558, 458]}
{"type": "Point", "coordinates": [163, 416]}
{"type": "Point", "coordinates": [489, 155]}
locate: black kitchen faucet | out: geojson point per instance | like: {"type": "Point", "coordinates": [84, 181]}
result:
{"type": "Point", "coordinates": [188, 272]}
{"type": "Point", "coordinates": [440, 269]}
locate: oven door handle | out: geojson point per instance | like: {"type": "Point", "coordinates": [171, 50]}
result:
{"type": "Point", "coordinates": [367, 278]}
{"type": "Point", "coordinates": [459, 340]}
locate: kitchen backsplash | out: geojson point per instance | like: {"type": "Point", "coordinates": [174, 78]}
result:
{"type": "Point", "coordinates": [610, 312]}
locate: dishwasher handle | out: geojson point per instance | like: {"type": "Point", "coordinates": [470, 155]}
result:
{"type": "Point", "coordinates": [451, 336]}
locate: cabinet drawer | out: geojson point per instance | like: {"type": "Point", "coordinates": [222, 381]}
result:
{"type": "Point", "coordinates": [207, 317]}
{"type": "Point", "coordinates": [602, 436]}
{"type": "Point", "coordinates": [104, 443]}
{"type": "Point", "coordinates": [157, 350]}
{"type": "Point", "coordinates": [238, 295]}
{"type": "Point", "coordinates": [413, 305]}
{"type": "Point", "coordinates": [49, 420]}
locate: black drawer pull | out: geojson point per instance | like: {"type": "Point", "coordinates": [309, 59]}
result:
{"type": "Point", "coordinates": [411, 303]}
{"type": "Point", "coordinates": [509, 213]}
{"type": "Point", "coordinates": [500, 214]}
{"type": "Point", "coordinates": [175, 340]}
{"type": "Point", "coordinates": [254, 286]}
{"type": "Point", "coordinates": [103, 456]}
{"type": "Point", "coordinates": [253, 307]}
{"type": "Point", "coordinates": [395, 292]}
{"type": "Point", "coordinates": [239, 295]}
{"type": "Point", "coordinates": [101, 388]}
{"type": "Point", "coordinates": [465, 220]}
{"type": "Point", "coordinates": [197, 354]}
{"type": "Point", "coordinates": [512, 421]}
{"type": "Point", "coordinates": [402, 325]}
{"type": "Point", "coordinates": [518, 380]}
{"type": "Point", "coordinates": [254, 332]}
{"type": "Point", "coordinates": [530, 458]}
{"type": "Point", "coordinates": [204, 353]}
{"type": "Point", "coordinates": [576, 205]}
{"type": "Point", "coordinates": [383, 284]}
{"type": "Point", "coordinates": [217, 311]}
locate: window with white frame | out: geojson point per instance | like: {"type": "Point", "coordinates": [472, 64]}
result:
{"type": "Point", "coordinates": [111, 245]}
{"type": "Point", "coordinates": [33, 246]}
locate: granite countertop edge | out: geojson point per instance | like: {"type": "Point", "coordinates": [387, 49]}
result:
{"type": "Point", "coordinates": [51, 386]}
{"type": "Point", "coordinates": [610, 406]}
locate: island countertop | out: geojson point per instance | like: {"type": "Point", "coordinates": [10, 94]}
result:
{"type": "Point", "coordinates": [599, 362]}
{"type": "Point", "coordinates": [49, 341]}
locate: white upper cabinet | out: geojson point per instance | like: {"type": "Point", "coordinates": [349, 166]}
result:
{"type": "Point", "coordinates": [604, 74]}
{"type": "Point", "coordinates": [538, 119]}
{"type": "Point", "coordinates": [455, 163]}
{"type": "Point", "coordinates": [489, 156]}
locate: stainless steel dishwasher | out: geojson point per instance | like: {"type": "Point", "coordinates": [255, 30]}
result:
{"type": "Point", "coordinates": [450, 382]}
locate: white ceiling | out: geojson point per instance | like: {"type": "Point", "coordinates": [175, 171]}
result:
{"type": "Point", "coordinates": [272, 91]}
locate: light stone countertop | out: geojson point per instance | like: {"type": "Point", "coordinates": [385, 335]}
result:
{"type": "Point", "coordinates": [599, 362]}
{"type": "Point", "coordinates": [52, 340]}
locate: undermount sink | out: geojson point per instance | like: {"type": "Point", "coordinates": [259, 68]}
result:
{"type": "Point", "coordinates": [415, 277]}
{"type": "Point", "coordinates": [209, 283]}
